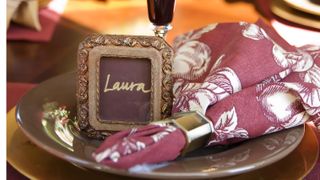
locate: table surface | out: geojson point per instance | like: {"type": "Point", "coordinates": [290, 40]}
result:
{"type": "Point", "coordinates": [34, 62]}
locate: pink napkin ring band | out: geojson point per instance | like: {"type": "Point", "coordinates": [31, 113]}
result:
{"type": "Point", "coordinates": [196, 127]}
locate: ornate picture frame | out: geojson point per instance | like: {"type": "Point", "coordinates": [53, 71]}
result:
{"type": "Point", "coordinates": [140, 59]}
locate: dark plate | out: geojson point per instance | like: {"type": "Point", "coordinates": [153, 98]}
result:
{"type": "Point", "coordinates": [69, 145]}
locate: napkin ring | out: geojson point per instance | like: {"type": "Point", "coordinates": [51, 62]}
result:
{"type": "Point", "coordinates": [196, 127]}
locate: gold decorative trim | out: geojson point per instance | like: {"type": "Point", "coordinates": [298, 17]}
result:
{"type": "Point", "coordinates": [89, 53]}
{"type": "Point", "coordinates": [196, 127]}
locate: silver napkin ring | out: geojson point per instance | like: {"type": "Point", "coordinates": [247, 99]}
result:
{"type": "Point", "coordinates": [196, 127]}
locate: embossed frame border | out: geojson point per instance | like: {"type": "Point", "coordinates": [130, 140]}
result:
{"type": "Point", "coordinates": [89, 54]}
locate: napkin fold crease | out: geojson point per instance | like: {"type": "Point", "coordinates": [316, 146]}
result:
{"type": "Point", "coordinates": [244, 77]}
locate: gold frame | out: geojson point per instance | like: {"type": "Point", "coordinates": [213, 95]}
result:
{"type": "Point", "coordinates": [90, 52]}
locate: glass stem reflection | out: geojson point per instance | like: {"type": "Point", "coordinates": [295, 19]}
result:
{"type": "Point", "coordinates": [161, 31]}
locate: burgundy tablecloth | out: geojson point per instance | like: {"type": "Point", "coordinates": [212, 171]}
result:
{"type": "Point", "coordinates": [48, 20]}
{"type": "Point", "coordinates": [16, 90]}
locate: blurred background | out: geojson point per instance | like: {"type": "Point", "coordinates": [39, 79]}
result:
{"type": "Point", "coordinates": [43, 35]}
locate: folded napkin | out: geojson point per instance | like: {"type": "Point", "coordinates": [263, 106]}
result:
{"type": "Point", "coordinates": [47, 15]}
{"type": "Point", "coordinates": [24, 12]}
{"type": "Point", "coordinates": [48, 20]}
{"type": "Point", "coordinates": [244, 77]}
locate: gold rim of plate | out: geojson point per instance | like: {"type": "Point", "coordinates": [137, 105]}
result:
{"type": "Point", "coordinates": [35, 163]}
{"type": "Point", "coordinates": [281, 9]}
{"type": "Point", "coordinates": [305, 6]}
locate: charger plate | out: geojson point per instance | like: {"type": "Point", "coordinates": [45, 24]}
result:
{"type": "Point", "coordinates": [69, 146]}
{"type": "Point", "coordinates": [35, 163]}
{"type": "Point", "coordinates": [281, 9]}
{"type": "Point", "coordinates": [305, 5]}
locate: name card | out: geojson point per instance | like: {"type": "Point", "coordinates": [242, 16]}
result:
{"type": "Point", "coordinates": [123, 82]}
{"type": "Point", "coordinates": [125, 88]}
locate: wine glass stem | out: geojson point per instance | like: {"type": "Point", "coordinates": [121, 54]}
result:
{"type": "Point", "coordinates": [161, 31]}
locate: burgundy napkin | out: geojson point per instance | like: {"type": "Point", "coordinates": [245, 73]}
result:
{"type": "Point", "coordinates": [244, 77]}
{"type": "Point", "coordinates": [48, 20]}
{"type": "Point", "coordinates": [143, 145]}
